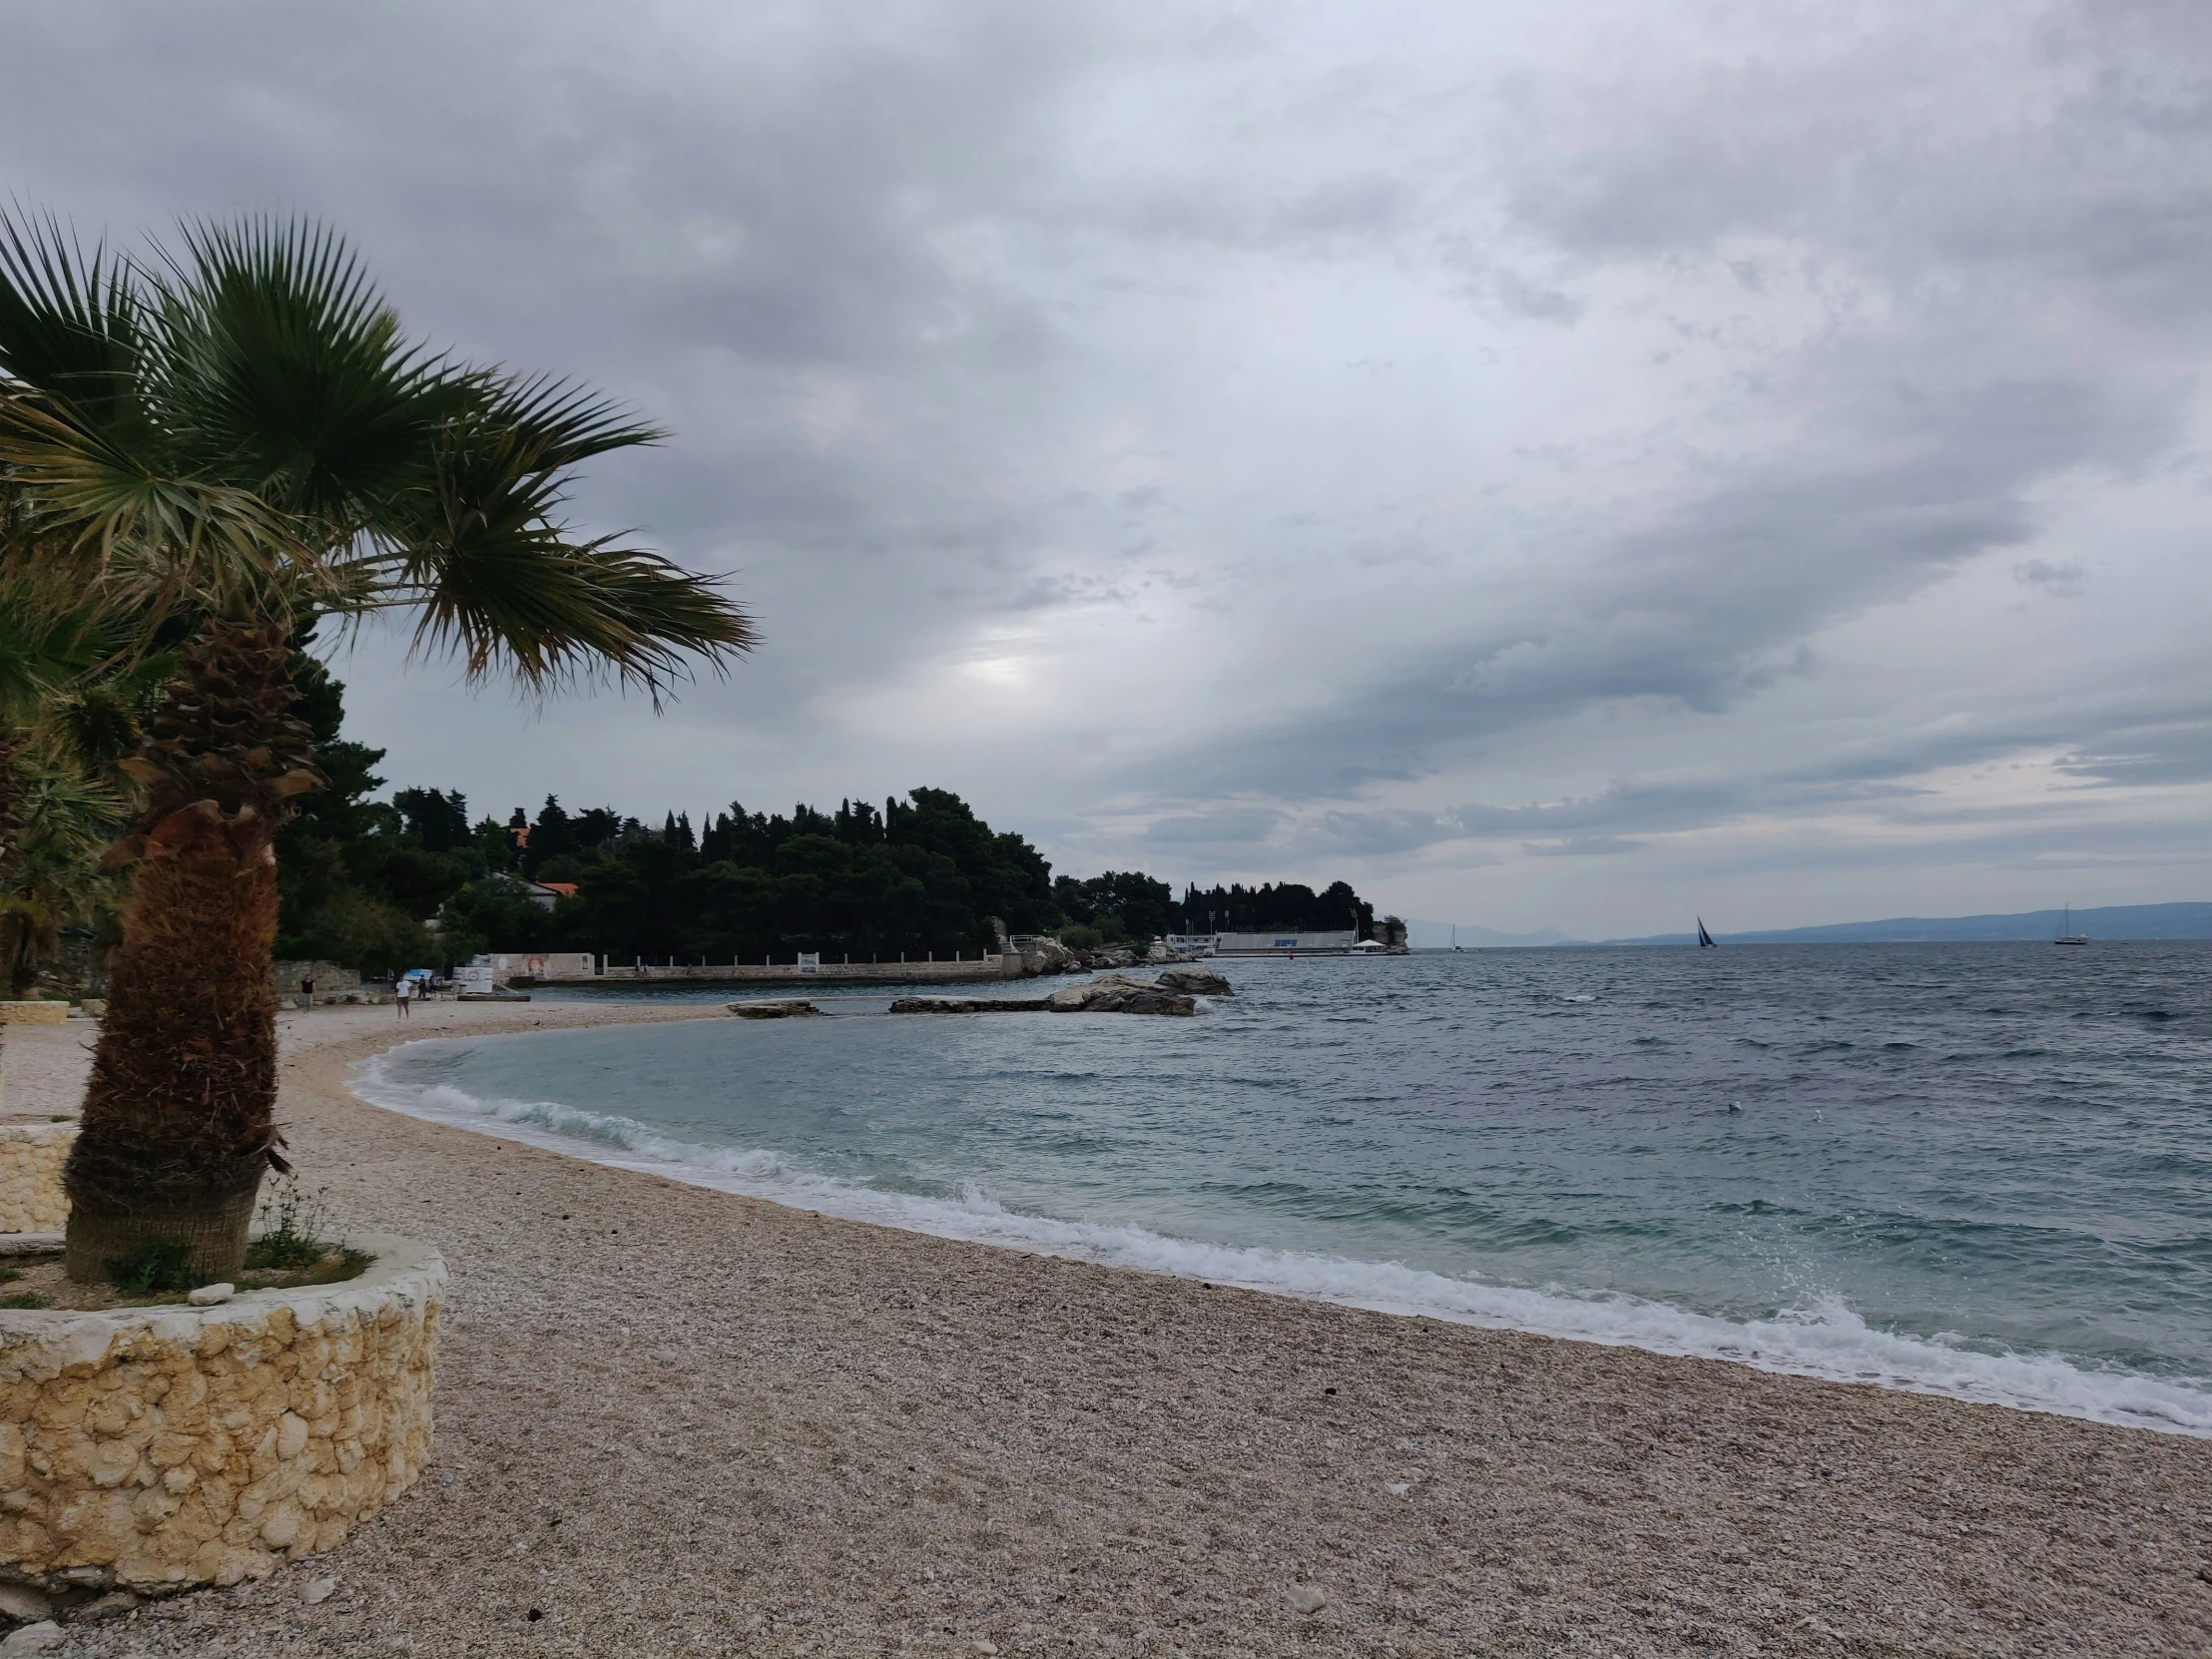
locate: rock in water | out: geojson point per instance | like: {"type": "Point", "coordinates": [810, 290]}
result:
{"type": "Point", "coordinates": [1049, 956]}
{"type": "Point", "coordinates": [1195, 981]}
{"type": "Point", "coordinates": [1117, 993]}
{"type": "Point", "coordinates": [968, 1004]}
{"type": "Point", "coordinates": [1155, 1002]}
{"type": "Point", "coordinates": [1072, 999]}
{"type": "Point", "coordinates": [1112, 957]}
{"type": "Point", "coordinates": [788, 1009]}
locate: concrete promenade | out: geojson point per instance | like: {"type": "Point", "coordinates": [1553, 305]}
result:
{"type": "Point", "coordinates": [972, 968]}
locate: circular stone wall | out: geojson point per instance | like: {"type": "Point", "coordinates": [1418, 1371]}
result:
{"type": "Point", "coordinates": [31, 1158]}
{"type": "Point", "coordinates": [155, 1448]}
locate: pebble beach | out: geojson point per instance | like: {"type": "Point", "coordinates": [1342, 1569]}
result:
{"type": "Point", "coordinates": [679, 1422]}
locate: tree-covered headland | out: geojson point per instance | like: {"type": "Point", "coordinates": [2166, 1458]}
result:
{"type": "Point", "coordinates": [416, 879]}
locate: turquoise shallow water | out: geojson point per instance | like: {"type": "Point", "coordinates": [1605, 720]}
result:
{"type": "Point", "coordinates": [1980, 1170]}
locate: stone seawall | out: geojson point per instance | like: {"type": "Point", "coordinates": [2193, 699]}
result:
{"type": "Point", "coordinates": [968, 970]}
{"type": "Point", "coordinates": [31, 1157]}
{"type": "Point", "coordinates": [153, 1448]}
{"type": "Point", "coordinates": [332, 984]}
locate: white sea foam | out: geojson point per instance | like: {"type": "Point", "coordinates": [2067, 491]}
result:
{"type": "Point", "coordinates": [1827, 1340]}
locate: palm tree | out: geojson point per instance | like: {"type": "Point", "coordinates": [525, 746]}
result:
{"type": "Point", "coordinates": [54, 881]}
{"type": "Point", "coordinates": [233, 439]}
{"type": "Point", "coordinates": [68, 711]}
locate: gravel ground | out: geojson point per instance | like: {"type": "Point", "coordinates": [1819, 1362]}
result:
{"type": "Point", "coordinates": [674, 1421]}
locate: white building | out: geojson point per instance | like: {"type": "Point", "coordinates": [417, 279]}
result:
{"type": "Point", "coordinates": [1285, 945]}
{"type": "Point", "coordinates": [543, 965]}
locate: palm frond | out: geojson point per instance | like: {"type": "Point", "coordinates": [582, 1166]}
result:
{"type": "Point", "coordinates": [70, 321]}
{"type": "Point", "coordinates": [289, 452]}
{"type": "Point", "coordinates": [66, 817]}
{"type": "Point", "coordinates": [504, 586]}
{"type": "Point", "coordinates": [44, 649]}
{"type": "Point", "coordinates": [97, 520]}
{"type": "Point", "coordinates": [553, 614]}
{"type": "Point", "coordinates": [562, 422]}
{"type": "Point", "coordinates": [100, 499]}
{"type": "Point", "coordinates": [100, 720]}
{"type": "Point", "coordinates": [281, 367]}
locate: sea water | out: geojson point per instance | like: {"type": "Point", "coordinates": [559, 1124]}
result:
{"type": "Point", "coordinates": [1973, 1170]}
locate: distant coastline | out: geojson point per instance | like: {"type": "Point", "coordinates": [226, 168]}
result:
{"type": "Point", "coordinates": [2113, 922]}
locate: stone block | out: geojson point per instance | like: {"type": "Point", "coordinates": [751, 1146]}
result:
{"type": "Point", "coordinates": [31, 1158]}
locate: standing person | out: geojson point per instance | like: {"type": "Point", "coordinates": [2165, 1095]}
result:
{"type": "Point", "coordinates": [402, 994]}
{"type": "Point", "coordinates": [306, 989]}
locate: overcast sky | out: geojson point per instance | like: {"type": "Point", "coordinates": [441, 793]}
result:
{"type": "Point", "coordinates": [1574, 464]}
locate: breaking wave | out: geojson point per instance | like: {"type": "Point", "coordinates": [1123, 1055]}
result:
{"type": "Point", "coordinates": [1823, 1339]}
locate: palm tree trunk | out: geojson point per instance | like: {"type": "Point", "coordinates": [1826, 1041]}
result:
{"type": "Point", "coordinates": [179, 1117]}
{"type": "Point", "coordinates": [11, 829]}
{"type": "Point", "coordinates": [22, 951]}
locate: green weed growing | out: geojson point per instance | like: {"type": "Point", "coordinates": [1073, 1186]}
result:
{"type": "Point", "coordinates": [293, 1229]}
{"type": "Point", "coordinates": [154, 1267]}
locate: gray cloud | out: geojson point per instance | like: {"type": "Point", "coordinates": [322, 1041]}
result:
{"type": "Point", "coordinates": [2175, 750]}
{"type": "Point", "coordinates": [1228, 824]}
{"type": "Point", "coordinates": [1583, 846]}
{"type": "Point", "coordinates": [2060, 579]}
{"type": "Point", "coordinates": [1234, 436]}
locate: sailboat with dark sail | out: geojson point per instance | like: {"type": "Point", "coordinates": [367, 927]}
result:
{"type": "Point", "coordinates": [1705, 940]}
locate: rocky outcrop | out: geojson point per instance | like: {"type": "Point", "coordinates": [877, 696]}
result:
{"type": "Point", "coordinates": [970, 1004]}
{"type": "Point", "coordinates": [1109, 993]}
{"type": "Point", "coordinates": [1117, 993]}
{"type": "Point", "coordinates": [1042, 955]}
{"type": "Point", "coordinates": [1045, 955]}
{"type": "Point", "coordinates": [1091, 961]}
{"type": "Point", "coordinates": [790, 1008]}
{"type": "Point", "coordinates": [1191, 981]}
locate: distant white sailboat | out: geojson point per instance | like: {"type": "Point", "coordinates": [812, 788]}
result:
{"type": "Point", "coordinates": [2066, 935]}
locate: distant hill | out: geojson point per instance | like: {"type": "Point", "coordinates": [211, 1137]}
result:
{"type": "Point", "coordinates": [2113, 921]}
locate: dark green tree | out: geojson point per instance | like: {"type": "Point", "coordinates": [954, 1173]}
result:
{"type": "Point", "coordinates": [438, 822]}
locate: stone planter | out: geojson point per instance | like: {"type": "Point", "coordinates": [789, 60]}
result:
{"type": "Point", "coordinates": [156, 1448]}
{"type": "Point", "coordinates": [31, 1157]}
